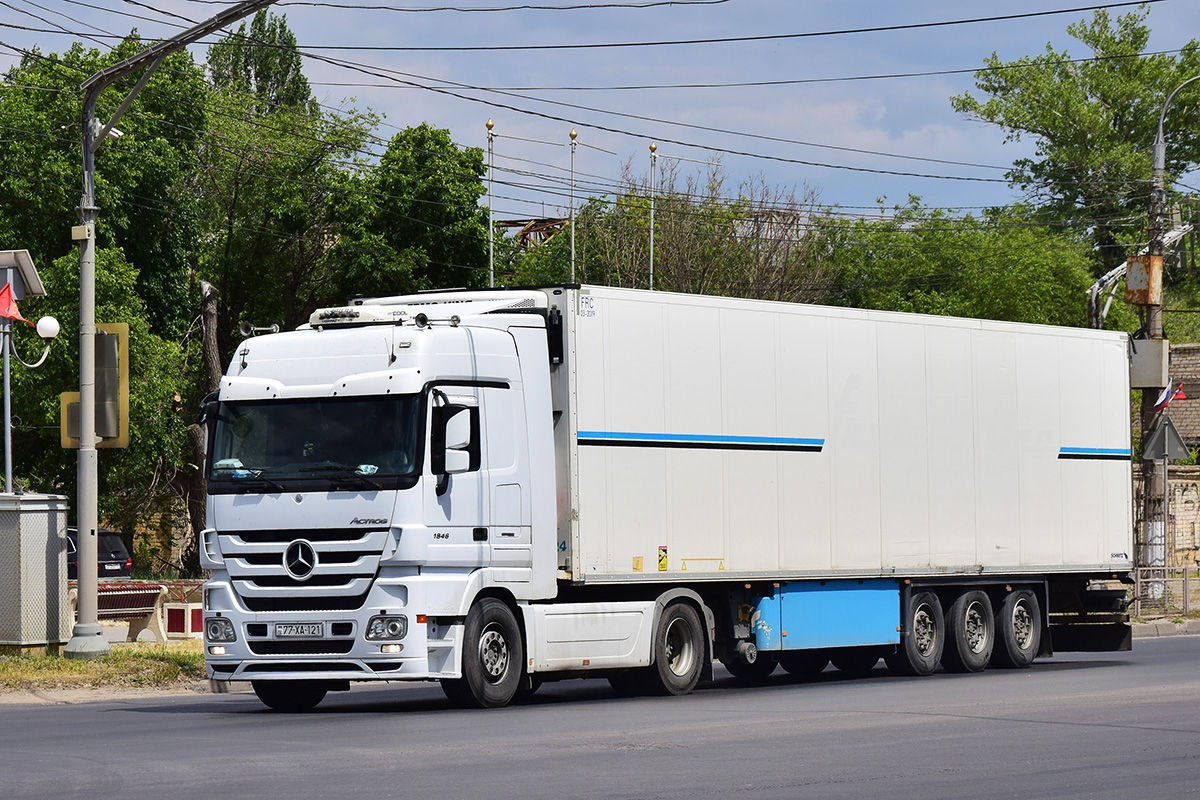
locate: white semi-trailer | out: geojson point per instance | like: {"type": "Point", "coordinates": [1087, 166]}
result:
{"type": "Point", "coordinates": [496, 488]}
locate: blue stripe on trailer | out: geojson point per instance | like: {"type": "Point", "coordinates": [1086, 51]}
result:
{"type": "Point", "coordinates": [1095, 453]}
{"type": "Point", "coordinates": [697, 441]}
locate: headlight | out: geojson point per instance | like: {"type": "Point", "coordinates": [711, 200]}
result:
{"type": "Point", "coordinates": [219, 629]}
{"type": "Point", "coordinates": [382, 628]}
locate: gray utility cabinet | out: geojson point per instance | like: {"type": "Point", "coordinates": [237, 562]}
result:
{"type": "Point", "coordinates": [33, 570]}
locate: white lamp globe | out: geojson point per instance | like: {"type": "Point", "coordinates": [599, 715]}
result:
{"type": "Point", "coordinates": [47, 328]}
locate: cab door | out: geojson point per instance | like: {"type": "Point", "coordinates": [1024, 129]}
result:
{"type": "Point", "coordinates": [456, 503]}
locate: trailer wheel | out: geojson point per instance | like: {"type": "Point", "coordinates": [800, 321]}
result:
{"type": "Point", "coordinates": [804, 662]}
{"type": "Point", "coordinates": [289, 696]}
{"type": "Point", "coordinates": [924, 639]}
{"type": "Point", "coordinates": [757, 672]}
{"type": "Point", "coordinates": [492, 657]}
{"type": "Point", "coordinates": [1018, 630]}
{"type": "Point", "coordinates": [970, 633]}
{"type": "Point", "coordinates": [856, 660]}
{"type": "Point", "coordinates": [678, 649]}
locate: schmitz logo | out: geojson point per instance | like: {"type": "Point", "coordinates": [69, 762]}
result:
{"type": "Point", "coordinates": [368, 521]}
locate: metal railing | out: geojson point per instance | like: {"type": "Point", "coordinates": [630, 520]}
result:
{"type": "Point", "coordinates": [1164, 591]}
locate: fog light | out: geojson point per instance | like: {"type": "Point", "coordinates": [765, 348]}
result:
{"type": "Point", "coordinates": [387, 628]}
{"type": "Point", "coordinates": [391, 648]}
{"type": "Point", "coordinates": [216, 650]}
{"type": "Point", "coordinates": [219, 629]}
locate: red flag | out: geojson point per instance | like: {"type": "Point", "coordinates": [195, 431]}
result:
{"type": "Point", "coordinates": [8, 306]}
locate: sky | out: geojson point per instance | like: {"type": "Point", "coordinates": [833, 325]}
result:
{"type": "Point", "coordinates": [803, 135]}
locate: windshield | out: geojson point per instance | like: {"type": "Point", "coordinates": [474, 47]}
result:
{"type": "Point", "coordinates": [361, 440]}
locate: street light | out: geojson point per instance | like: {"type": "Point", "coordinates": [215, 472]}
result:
{"type": "Point", "coordinates": [20, 281]}
{"type": "Point", "coordinates": [87, 638]}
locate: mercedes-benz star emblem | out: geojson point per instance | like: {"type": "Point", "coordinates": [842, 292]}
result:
{"type": "Point", "coordinates": [300, 559]}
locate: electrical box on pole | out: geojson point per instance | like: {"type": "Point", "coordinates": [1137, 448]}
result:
{"type": "Point", "coordinates": [112, 392]}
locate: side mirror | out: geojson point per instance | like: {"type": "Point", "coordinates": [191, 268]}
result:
{"type": "Point", "coordinates": [208, 407]}
{"type": "Point", "coordinates": [454, 444]}
{"type": "Point", "coordinates": [458, 440]}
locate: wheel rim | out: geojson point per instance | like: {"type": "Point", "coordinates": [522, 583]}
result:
{"type": "Point", "coordinates": [924, 630]}
{"type": "Point", "coordinates": [679, 650]}
{"type": "Point", "coordinates": [976, 627]}
{"type": "Point", "coordinates": [1022, 625]}
{"type": "Point", "coordinates": [493, 653]}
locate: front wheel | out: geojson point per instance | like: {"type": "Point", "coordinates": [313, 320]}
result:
{"type": "Point", "coordinates": [493, 655]}
{"type": "Point", "coordinates": [1018, 630]}
{"type": "Point", "coordinates": [924, 637]}
{"type": "Point", "coordinates": [678, 649]}
{"type": "Point", "coordinates": [290, 696]}
{"type": "Point", "coordinates": [970, 633]}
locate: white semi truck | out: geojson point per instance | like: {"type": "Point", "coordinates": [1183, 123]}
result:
{"type": "Point", "coordinates": [495, 488]}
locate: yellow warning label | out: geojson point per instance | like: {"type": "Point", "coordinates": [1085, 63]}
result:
{"type": "Point", "coordinates": [637, 563]}
{"type": "Point", "coordinates": [662, 559]}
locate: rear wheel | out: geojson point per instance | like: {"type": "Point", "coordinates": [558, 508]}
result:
{"type": "Point", "coordinates": [924, 639]}
{"type": "Point", "coordinates": [970, 633]}
{"type": "Point", "coordinates": [678, 649]}
{"type": "Point", "coordinates": [290, 696]}
{"type": "Point", "coordinates": [493, 656]}
{"type": "Point", "coordinates": [856, 660]}
{"type": "Point", "coordinates": [1018, 630]}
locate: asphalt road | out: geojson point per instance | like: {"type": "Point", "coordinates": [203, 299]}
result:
{"type": "Point", "coordinates": [1121, 725]}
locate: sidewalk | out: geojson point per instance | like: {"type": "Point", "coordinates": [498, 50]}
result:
{"type": "Point", "coordinates": [1165, 627]}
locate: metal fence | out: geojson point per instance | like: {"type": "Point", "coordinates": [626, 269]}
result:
{"type": "Point", "coordinates": [1165, 591]}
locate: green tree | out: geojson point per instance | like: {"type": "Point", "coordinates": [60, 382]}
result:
{"type": "Point", "coordinates": [264, 62]}
{"type": "Point", "coordinates": [1093, 123]}
{"type": "Point", "coordinates": [753, 241]}
{"type": "Point", "coordinates": [140, 184]}
{"type": "Point", "coordinates": [135, 482]}
{"type": "Point", "coordinates": [1005, 265]}
{"type": "Point", "coordinates": [428, 210]}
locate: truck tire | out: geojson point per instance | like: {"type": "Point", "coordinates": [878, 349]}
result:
{"type": "Point", "coordinates": [757, 672]}
{"type": "Point", "coordinates": [493, 655]}
{"type": "Point", "coordinates": [1018, 630]}
{"type": "Point", "coordinates": [804, 662]}
{"type": "Point", "coordinates": [290, 696]}
{"type": "Point", "coordinates": [924, 640]}
{"type": "Point", "coordinates": [856, 661]}
{"type": "Point", "coordinates": [679, 650]}
{"type": "Point", "coordinates": [970, 633]}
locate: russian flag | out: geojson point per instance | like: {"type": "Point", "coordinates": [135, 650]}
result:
{"type": "Point", "coordinates": [1168, 395]}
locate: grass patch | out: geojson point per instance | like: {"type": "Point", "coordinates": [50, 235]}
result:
{"type": "Point", "coordinates": [141, 665]}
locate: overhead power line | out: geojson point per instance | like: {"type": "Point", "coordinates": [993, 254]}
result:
{"type": "Point", "coordinates": [767, 37]}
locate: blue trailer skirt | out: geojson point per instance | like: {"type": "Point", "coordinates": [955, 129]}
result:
{"type": "Point", "coordinates": [803, 615]}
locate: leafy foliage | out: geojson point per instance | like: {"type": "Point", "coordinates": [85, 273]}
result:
{"type": "Point", "coordinates": [1093, 123]}
{"type": "Point", "coordinates": [1004, 265]}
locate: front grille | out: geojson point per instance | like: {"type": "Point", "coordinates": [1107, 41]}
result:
{"type": "Point", "coordinates": [311, 647]}
{"type": "Point", "coordinates": [347, 560]}
{"type": "Point", "coordinates": [322, 603]}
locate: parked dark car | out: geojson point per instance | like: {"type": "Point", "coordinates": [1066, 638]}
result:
{"type": "Point", "coordinates": [112, 557]}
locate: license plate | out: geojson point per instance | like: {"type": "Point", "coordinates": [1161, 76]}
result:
{"type": "Point", "coordinates": [112, 566]}
{"type": "Point", "coordinates": [284, 630]}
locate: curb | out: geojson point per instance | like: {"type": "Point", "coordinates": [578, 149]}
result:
{"type": "Point", "coordinates": [1165, 627]}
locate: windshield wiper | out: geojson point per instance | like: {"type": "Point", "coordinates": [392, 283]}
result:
{"type": "Point", "coordinates": [259, 479]}
{"type": "Point", "coordinates": [346, 472]}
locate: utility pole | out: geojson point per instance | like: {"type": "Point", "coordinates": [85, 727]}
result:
{"type": "Point", "coordinates": [491, 137]}
{"type": "Point", "coordinates": [1154, 488]}
{"type": "Point", "coordinates": [87, 637]}
{"type": "Point", "coordinates": [653, 190]}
